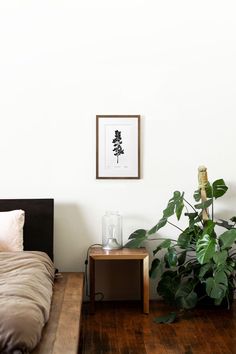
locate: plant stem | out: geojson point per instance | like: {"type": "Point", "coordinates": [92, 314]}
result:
{"type": "Point", "coordinates": [161, 239]}
{"type": "Point", "coordinates": [203, 297]}
{"type": "Point", "coordinates": [177, 227]}
{"type": "Point", "coordinates": [194, 210]}
{"type": "Point", "coordinates": [186, 208]}
{"type": "Point", "coordinates": [212, 209]}
{"type": "Point", "coordinates": [190, 205]}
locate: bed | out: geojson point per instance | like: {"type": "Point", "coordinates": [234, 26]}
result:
{"type": "Point", "coordinates": [61, 332]}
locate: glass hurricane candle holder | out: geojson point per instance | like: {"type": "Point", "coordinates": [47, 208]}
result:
{"type": "Point", "coordinates": [111, 230]}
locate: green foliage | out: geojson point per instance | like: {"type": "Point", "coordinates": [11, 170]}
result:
{"type": "Point", "coordinates": [206, 246]}
{"type": "Point", "coordinates": [136, 238]}
{"type": "Point", "coordinates": [216, 287]}
{"type": "Point", "coordinates": [204, 205]}
{"type": "Point", "coordinates": [164, 244]}
{"type": "Point", "coordinates": [220, 257]}
{"type": "Point", "coordinates": [168, 286]}
{"type": "Point", "coordinates": [219, 188]}
{"type": "Point", "coordinates": [154, 268]}
{"type": "Point", "coordinates": [171, 317]}
{"type": "Point", "coordinates": [198, 263]}
{"type": "Point", "coordinates": [185, 296]}
{"type": "Point", "coordinates": [227, 238]}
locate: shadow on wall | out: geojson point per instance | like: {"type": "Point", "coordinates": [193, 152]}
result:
{"type": "Point", "coordinates": [71, 237]}
{"type": "Point", "coordinates": [226, 207]}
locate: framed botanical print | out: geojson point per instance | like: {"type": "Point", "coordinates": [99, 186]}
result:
{"type": "Point", "coordinates": [118, 146]}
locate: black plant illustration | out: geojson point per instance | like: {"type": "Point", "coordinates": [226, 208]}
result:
{"type": "Point", "coordinates": [117, 141]}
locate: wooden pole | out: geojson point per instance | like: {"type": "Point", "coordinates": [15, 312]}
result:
{"type": "Point", "coordinates": [202, 181]}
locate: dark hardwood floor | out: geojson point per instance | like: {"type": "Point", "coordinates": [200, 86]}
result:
{"type": "Point", "coordinates": [121, 328]}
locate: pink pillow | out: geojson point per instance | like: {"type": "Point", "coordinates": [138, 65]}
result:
{"type": "Point", "coordinates": [11, 230]}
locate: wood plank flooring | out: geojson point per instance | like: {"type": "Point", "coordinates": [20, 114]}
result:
{"type": "Point", "coordinates": [61, 333]}
{"type": "Point", "coordinates": [122, 328]}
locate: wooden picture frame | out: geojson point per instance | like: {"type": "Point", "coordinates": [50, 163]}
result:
{"type": "Point", "coordinates": [118, 146]}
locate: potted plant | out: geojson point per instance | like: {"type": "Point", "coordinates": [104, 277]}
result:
{"type": "Point", "coordinates": [200, 263]}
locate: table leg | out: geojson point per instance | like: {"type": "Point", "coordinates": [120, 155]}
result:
{"type": "Point", "coordinates": [146, 284]}
{"type": "Point", "coordinates": [141, 279]}
{"type": "Point", "coordinates": [92, 284]}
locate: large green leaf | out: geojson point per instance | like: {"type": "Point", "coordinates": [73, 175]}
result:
{"type": "Point", "coordinates": [220, 257]}
{"type": "Point", "coordinates": [170, 209]}
{"type": "Point", "coordinates": [192, 218]}
{"type": "Point", "coordinates": [135, 242]}
{"type": "Point", "coordinates": [197, 195]}
{"type": "Point", "coordinates": [204, 205]}
{"type": "Point", "coordinates": [169, 274]}
{"type": "Point", "coordinates": [179, 206]}
{"type": "Point", "coordinates": [221, 278]}
{"type": "Point", "coordinates": [140, 233]}
{"type": "Point", "coordinates": [154, 268]}
{"type": "Point", "coordinates": [209, 228]}
{"type": "Point", "coordinates": [205, 268]}
{"type": "Point", "coordinates": [158, 226]}
{"type": "Point", "coordinates": [208, 189]}
{"type": "Point", "coordinates": [136, 238]}
{"type": "Point", "coordinates": [219, 188]}
{"type": "Point", "coordinates": [228, 268]}
{"type": "Point", "coordinates": [227, 239]}
{"type": "Point", "coordinates": [164, 244]}
{"type": "Point", "coordinates": [196, 233]}
{"type": "Point", "coordinates": [169, 318]}
{"type": "Point", "coordinates": [176, 195]}
{"type": "Point", "coordinates": [186, 297]}
{"type": "Point", "coordinates": [175, 205]}
{"type": "Point", "coordinates": [182, 258]}
{"type": "Point", "coordinates": [171, 257]}
{"type": "Point", "coordinates": [216, 287]}
{"type": "Point", "coordinates": [166, 262]}
{"type": "Point", "coordinates": [189, 237]}
{"type": "Point", "coordinates": [184, 239]}
{"type": "Point", "coordinates": [205, 248]}
{"type": "Point", "coordinates": [188, 269]}
{"type": "Point", "coordinates": [168, 286]}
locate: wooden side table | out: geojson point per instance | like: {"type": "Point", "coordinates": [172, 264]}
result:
{"type": "Point", "coordinates": [98, 254]}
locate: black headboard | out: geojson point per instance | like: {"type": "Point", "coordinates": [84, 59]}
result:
{"type": "Point", "coordinates": [38, 228]}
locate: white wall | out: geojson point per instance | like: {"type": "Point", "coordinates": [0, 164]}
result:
{"type": "Point", "coordinates": [63, 62]}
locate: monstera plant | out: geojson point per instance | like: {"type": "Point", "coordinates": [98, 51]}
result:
{"type": "Point", "coordinates": [199, 264]}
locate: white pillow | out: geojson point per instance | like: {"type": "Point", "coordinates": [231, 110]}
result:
{"type": "Point", "coordinates": [11, 230]}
